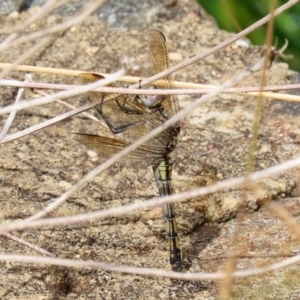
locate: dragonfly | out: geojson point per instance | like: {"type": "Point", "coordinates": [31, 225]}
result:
{"type": "Point", "coordinates": [131, 117]}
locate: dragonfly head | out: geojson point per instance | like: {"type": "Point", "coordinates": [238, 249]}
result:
{"type": "Point", "coordinates": [151, 101]}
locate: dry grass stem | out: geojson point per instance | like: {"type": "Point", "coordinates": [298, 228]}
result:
{"type": "Point", "coordinates": [285, 217]}
{"type": "Point", "coordinates": [45, 10]}
{"type": "Point", "coordinates": [144, 139]}
{"type": "Point", "coordinates": [16, 36]}
{"type": "Point", "coordinates": [221, 45]}
{"type": "Point", "coordinates": [227, 282]}
{"type": "Point", "coordinates": [88, 9]}
{"type": "Point", "coordinates": [260, 100]}
{"type": "Point", "coordinates": [11, 116]}
{"type": "Point", "coordinates": [146, 271]}
{"type": "Point", "coordinates": [191, 89]}
{"type": "Point", "coordinates": [113, 212]}
{"type": "Point", "coordinates": [90, 116]}
{"type": "Point", "coordinates": [41, 44]}
{"type": "Point", "coordinates": [65, 94]}
{"type": "Point", "coordinates": [28, 245]}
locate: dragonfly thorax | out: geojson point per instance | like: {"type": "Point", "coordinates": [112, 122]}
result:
{"type": "Point", "coordinates": [175, 130]}
{"type": "Point", "coordinates": [171, 145]}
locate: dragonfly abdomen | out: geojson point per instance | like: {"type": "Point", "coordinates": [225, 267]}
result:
{"type": "Point", "coordinates": [162, 172]}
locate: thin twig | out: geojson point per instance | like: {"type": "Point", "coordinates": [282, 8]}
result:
{"type": "Point", "coordinates": [113, 212]}
{"type": "Point", "coordinates": [227, 282]}
{"type": "Point", "coordinates": [72, 107]}
{"type": "Point", "coordinates": [152, 134]}
{"type": "Point", "coordinates": [29, 245]}
{"type": "Point", "coordinates": [186, 88]}
{"type": "Point", "coordinates": [175, 68]}
{"type": "Point", "coordinates": [44, 10]}
{"type": "Point", "coordinates": [260, 100]}
{"type": "Point", "coordinates": [27, 55]}
{"type": "Point", "coordinates": [146, 271]}
{"type": "Point", "coordinates": [88, 9]}
{"type": "Point", "coordinates": [11, 116]}
{"type": "Point", "coordinates": [218, 47]}
{"type": "Point", "coordinates": [44, 100]}
{"type": "Point", "coordinates": [283, 215]}
{"type": "Point", "coordinates": [193, 59]}
{"type": "Point", "coordinates": [18, 30]}
{"type": "Point", "coordinates": [136, 271]}
{"type": "Point", "coordinates": [42, 125]}
{"type": "Point", "coordinates": [66, 94]}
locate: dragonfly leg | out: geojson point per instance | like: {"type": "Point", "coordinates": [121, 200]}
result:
{"type": "Point", "coordinates": [127, 110]}
{"type": "Point", "coordinates": [115, 129]}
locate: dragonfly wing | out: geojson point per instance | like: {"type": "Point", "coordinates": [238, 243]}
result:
{"type": "Point", "coordinates": [107, 147]}
{"type": "Point", "coordinates": [158, 57]}
{"type": "Point", "coordinates": [118, 111]}
{"type": "Point", "coordinates": [102, 145]}
{"type": "Point", "coordinates": [131, 119]}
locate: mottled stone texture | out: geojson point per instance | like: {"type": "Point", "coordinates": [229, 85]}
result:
{"type": "Point", "coordinates": [213, 145]}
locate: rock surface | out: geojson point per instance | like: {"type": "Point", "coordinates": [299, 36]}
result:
{"type": "Point", "coordinates": [213, 145]}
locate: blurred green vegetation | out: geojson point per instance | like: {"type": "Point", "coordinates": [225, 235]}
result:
{"type": "Point", "coordinates": [235, 15]}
